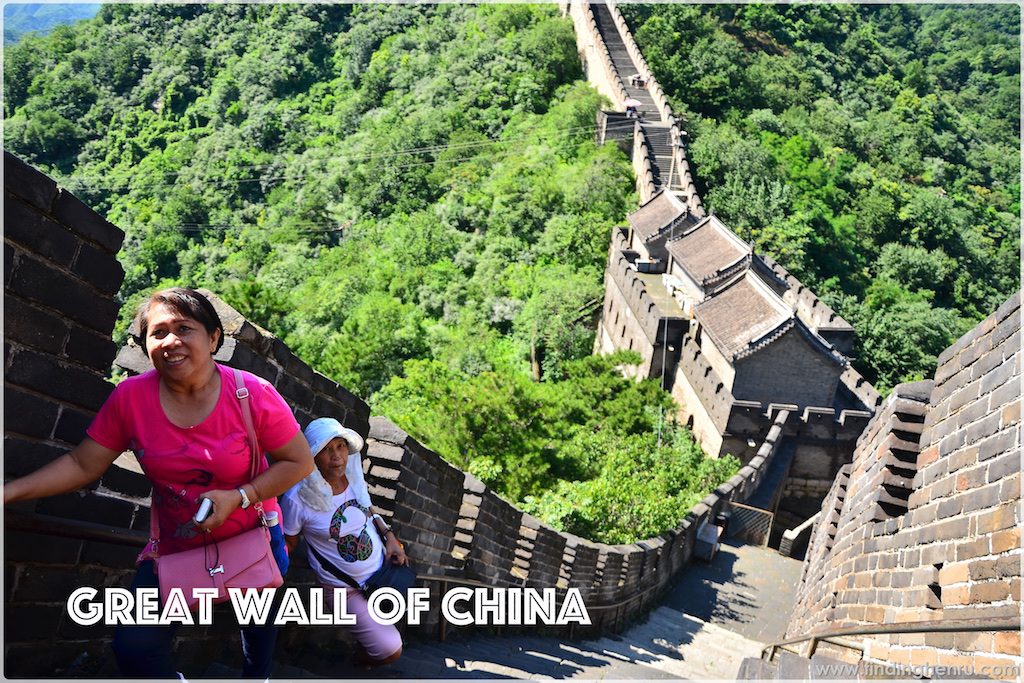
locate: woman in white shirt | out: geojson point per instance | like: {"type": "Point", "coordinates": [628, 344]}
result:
{"type": "Point", "coordinates": [331, 509]}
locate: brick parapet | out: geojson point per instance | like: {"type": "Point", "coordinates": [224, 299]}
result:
{"type": "Point", "coordinates": [949, 450]}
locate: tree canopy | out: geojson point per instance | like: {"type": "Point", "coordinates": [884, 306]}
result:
{"type": "Point", "coordinates": [873, 150]}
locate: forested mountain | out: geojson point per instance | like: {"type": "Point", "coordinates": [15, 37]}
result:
{"type": "Point", "coordinates": [410, 197]}
{"type": "Point", "coordinates": [20, 18]}
{"type": "Point", "coordinates": [874, 150]}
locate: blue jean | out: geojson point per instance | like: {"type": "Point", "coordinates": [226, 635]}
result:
{"type": "Point", "coordinates": [145, 651]}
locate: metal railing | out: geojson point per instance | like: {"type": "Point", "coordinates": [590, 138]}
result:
{"type": "Point", "coordinates": [830, 636]}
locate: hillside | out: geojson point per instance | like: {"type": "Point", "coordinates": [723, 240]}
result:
{"type": "Point", "coordinates": [21, 18]}
{"type": "Point", "coordinates": [410, 197]}
{"type": "Point", "coordinates": [872, 149]}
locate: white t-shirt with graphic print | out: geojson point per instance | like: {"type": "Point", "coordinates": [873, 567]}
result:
{"type": "Point", "coordinates": [345, 536]}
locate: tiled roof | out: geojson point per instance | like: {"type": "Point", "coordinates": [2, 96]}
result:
{"type": "Point", "coordinates": [659, 212]}
{"type": "Point", "coordinates": [708, 249]}
{"type": "Point", "coordinates": [741, 314]}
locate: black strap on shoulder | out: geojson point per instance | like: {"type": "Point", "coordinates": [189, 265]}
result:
{"type": "Point", "coordinates": [330, 566]}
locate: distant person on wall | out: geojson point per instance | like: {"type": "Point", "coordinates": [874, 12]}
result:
{"type": "Point", "coordinates": [348, 544]}
{"type": "Point", "coordinates": [184, 423]}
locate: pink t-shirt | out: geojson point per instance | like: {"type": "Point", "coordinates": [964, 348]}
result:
{"type": "Point", "coordinates": [184, 462]}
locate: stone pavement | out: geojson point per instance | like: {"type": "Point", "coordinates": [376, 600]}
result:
{"type": "Point", "coordinates": [715, 615]}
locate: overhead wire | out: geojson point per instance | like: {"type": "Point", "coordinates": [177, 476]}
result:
{"type": "Point", "coordinates": [311, 228]}
{"type": "Point", "coordinates": [85, 184]}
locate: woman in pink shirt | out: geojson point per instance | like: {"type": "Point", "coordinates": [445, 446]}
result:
{"type": "Point", "coordinates": [184, 424]}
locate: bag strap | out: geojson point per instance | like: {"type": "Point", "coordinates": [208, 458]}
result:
{"type": "Point", "coordinates": [332, 568]}
{"type": "Point", "coordinates": [242, 394]}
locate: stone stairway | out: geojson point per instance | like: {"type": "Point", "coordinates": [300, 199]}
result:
{"type": "Point", "coordinates": [658, 134]}
{"type": "Point", "coordinates": [711, 619]}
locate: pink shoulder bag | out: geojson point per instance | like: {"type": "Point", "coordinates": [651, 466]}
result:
{"type": "Point", "coordinates": [242, 561]}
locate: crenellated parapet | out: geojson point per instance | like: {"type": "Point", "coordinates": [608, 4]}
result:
{"type": "Point", "coordinates": [924, 524]}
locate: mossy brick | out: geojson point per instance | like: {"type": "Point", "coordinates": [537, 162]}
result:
{"type": "Point", "coordinates": [61, 380]}
{"type": "Point", "coordinates": [39, 282]}
{"type": "Point", "coordinates": [29, 414]}
{"type": "Point", "coordinates": [32, 326]}
{"type": "Point", "coordinates": [70, 211]}
{"type": "Point", "coordinates": [24, 181]}
{"type": "Point", "coordinates": [37, 233]}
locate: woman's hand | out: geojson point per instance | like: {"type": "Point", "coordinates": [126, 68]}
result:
{"type": "Point", "coordinates": [225, 501]}
{"type": "Point", "coordinates": [394, 550]}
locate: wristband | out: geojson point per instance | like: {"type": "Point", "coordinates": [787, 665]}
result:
{"type": "Point", "coordinates": [245, 498]}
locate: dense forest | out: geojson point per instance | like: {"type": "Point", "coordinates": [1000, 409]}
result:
{"type": "Point", "coordinates": [410, 197]}
{"type": "Point", "coordinates": [874, 150]}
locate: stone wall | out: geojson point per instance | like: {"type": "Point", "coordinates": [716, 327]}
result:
{"type": "Point", "coordinates": [926, 526]}
{"type": "Point", "coordinates": [61, 276]}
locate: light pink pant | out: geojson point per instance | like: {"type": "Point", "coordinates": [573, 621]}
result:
{"type": "Point", "coordinates": [380, 640]}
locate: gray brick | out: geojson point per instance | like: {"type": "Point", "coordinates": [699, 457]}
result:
{"type": "Point", "coordinates": [1009, 306]}
{"type": "Point", "coordinates": [62, 381]}
{"type": "Point", "coordinates": [987, 497]}
{"type": "Point", "coordinates": [72, 212]}
{"type": "Point", "coordinates": [29, 414]}
{"type": "Point", "coordinates": [39, 282]}
{"type": "Point", "coordinates": [999, 375]}
{"type": "Point", "coordinates": [98, 268]}
{"type": "Point", "coordinates": [38, 234]}
{"type": "Point", "coordinates": [32, 326]}
{"type": "Point", "coordinates": [26, 182]}
{"type": "Point", "coordinates": [987, 426]}
{"type": "Point", "coordinates": [995, 445]}
{"type": "Point", "coordinates": [1003, 466]}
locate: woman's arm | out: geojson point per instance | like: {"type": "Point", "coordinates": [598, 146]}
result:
{"type": "Point", "coordinates": [291, 542]}
{"type": "Point", "coordinates": [82, 465]}
{"type": "Point", "coordinates": [291, 463]}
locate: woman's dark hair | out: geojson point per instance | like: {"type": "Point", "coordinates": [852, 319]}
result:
{"type": "Point", "coordinates": [185, 302]}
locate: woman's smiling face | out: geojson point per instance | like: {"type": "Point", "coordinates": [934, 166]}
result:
{"type": "Point", "coordinates": [178, 346]}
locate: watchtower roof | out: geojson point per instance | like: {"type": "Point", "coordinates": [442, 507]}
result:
{"type": "Point", "coordinates": [708, 251]}
{"type": "Point", "coordinates": [742, 313]}
{"type": "Point", "coordinates": [656, 214]}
